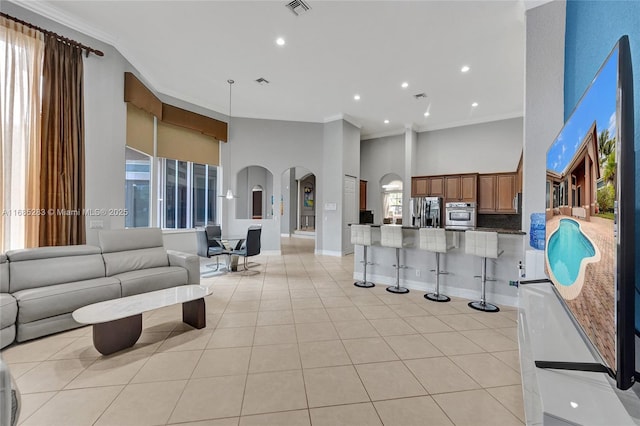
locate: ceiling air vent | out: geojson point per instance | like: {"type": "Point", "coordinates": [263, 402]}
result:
{"type": "Point", "coordinates": [298, 7]}
{"type": "Point", "coordinates": [420, 95]}
{"type": "Point", "coordinates": [262, 80]}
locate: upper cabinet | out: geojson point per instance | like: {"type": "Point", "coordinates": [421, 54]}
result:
{"type": "Point", "coordinates": [363, 194]}
{"type": "Point", "coordinates": [436, 186]}
{"type": "Point", "coordinates": [449, 187]}
{"type": "Point", "coordinates": [419, 186]}
{"type": "Point", "coordinates": [427, 186]}
{"type": "Point", "coordinates": [487, 194]}
{"type": "Point", "coordinates": [461, 188]}
{"type": "Point", "coordinates": [497, 193]}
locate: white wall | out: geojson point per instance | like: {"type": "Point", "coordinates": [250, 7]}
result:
{"type": "Point", "coordinates": [331, 180]}
{"type": "Point", "coordinates": [544, 100]}
{"type": "Point", "coordinates": [276, 146]}
{"type": "Point", "coordinates": [379, 157]}
{"type": "Point", "coordinates": [483, 148]}
{"type": "Point", "coordinates": [351, 167]}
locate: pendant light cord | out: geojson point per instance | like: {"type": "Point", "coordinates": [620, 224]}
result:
{"type": "Point", "coordinates": [229, 194]}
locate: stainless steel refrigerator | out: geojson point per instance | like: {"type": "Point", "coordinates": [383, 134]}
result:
{"type": "Point", "coordinates": [426, 212]}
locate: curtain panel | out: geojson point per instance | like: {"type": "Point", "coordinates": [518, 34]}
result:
{"type": "Point", "coordinates": [21, 54]}
{"type": "Point", "coordinates": [62, 173]}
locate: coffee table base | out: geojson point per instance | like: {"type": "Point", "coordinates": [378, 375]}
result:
{"type": "Point", "coordinates": [113, 336]}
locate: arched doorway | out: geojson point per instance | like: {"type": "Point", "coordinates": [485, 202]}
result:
{"type": "Point", "coordinates": [298, 203]}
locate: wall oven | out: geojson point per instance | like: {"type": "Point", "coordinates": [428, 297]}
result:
{"type": "Point", "coordinates": [460, 215]}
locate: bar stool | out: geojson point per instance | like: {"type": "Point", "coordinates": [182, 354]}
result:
{"type": "Point", "coordinates": [391, 236]}
{"type": "Point", "coordinates": [438, 241]}
{"type": "Point", "coordinates": [485, 245]}
{"type": "Point", "coordinates": [361, 235]}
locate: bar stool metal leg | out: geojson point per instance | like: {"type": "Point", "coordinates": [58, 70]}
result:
{"type": "Point", "coordinates": [437, 297]}
{"type": "Point", "coordinates": [364, 283]}
{"type": "Point", "coordinates": [482, 305]}
{"type": "Point", "coordinates": [397, 289]}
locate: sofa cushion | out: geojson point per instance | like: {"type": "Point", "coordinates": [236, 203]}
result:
{"type": "Point", "coordinates": [130, 239]}
{"type": "Point", "coordinates": [44, 266]}
{"type": "Point", "coordinates": [7, 336]}
{"type": "Point", "coordinates": [145, 280]}
{"type": "Point", "coordinates": [48, 252]}
{"type": "Point", "coordinates": [133, 260]}
{"type": "Point", "coordinates": [4, 274]}
{"type": "Point", "coordinates": [8, 310]}
{"type": "Point", "coordinates": [49, 301]}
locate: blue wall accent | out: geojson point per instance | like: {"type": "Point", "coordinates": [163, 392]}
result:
{"type": "Point", "coordinates": [592, 29]}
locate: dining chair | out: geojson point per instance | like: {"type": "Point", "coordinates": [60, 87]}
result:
{"type": "Point", "coordinates": [251, 246]}
{"type": "Point", "coordinates": [209, 244]}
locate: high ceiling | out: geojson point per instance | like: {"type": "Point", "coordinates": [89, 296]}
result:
{"type": "Point", "coordinates": [188, 50]}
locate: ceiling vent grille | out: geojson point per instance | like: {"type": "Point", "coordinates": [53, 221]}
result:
{"type": "Point", "coordinates": [262, 80]}
{"type": "Point", "coordinates": [420, 95]}
{"type": "Point", "coordinates": [298, 7]}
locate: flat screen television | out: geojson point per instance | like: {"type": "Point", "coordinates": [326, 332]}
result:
{"type": "Point", "coordinates": [590, 203]}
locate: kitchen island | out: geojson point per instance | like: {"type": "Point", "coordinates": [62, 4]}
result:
{"type": "Point", "coordinates": [461, 268]}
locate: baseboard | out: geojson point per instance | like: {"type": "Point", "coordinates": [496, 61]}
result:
{"type": "Point", "coordinates": [464, 293]}
{"type": "Point", "coordinates": [271, 252]}
{"type": "Point", "coordinates": [329, 253]}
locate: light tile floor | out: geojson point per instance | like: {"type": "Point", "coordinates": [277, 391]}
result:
{"type": "Point", "coordinates": [295, 344]}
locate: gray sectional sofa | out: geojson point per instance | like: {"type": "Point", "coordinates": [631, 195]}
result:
{"type": "Point", "coordinates": [8, 305]}
{"type": "Point", "coordinates": [41, 287]}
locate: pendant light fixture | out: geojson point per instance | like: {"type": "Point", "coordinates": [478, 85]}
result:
{"type": "Point", "coordinates": [229, 194]}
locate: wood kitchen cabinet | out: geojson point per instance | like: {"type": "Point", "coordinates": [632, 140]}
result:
{"type": "Point", "coordinates": [419, 186]}
{"type": "Point", "coordinates": [505, 193]}
{"type": "Point", "coordinates": [461, 188]}
{"type": "Point", "coordinates": [363, 195]}
{"type": "Point", "coordinates": [496, 193]}
{"type": "Point", "coordinates": [436, 186]}
{"type": "Point", "coordinates": [427, 186]}
{"type": "Point", "coordinates": [487, 194]}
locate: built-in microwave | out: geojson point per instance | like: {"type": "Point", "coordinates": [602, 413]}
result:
{"type": "Point", "coordinates": [460, 215]}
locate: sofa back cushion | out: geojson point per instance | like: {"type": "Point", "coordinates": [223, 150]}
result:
{"type": "Point", "coordinates": [4, 274]}
{"type": "Point", "coordinates": [133, 260]}
{"type": "Point", "coordinates": [44, 266]}
{"type": "Point", "coordinates": [117, 240]}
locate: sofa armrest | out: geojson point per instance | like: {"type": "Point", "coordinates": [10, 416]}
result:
{"type": "Point", "coordinates": [190, 262]}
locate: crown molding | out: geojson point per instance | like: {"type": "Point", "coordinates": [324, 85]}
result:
{"type": "Point", "coordinates": [387, 133]}
{"type": "Point", "coordinates": [346, 117]}
{"type": "Point", "coordinates": [47, 10]}
{"type": "Point", "coordinates": [462, 123]}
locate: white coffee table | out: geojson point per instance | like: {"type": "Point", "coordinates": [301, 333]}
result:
{"type": "Point", "coordinates": [117, 323]}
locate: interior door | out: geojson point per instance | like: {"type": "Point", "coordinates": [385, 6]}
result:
{"type": "Point", "coordinates": [350, 212]}
{"type": "Point", "coordinates": [256, 210]}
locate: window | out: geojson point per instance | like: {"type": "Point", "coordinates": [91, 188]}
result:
{"type": "Point", "coordinates": [188, 194]}
{"type": "Point", "coordinates": [137, 189]}
{"type": "Point", "coordinates": [391, 196]}
{"type": "Point", "coordinates": [393, 204]}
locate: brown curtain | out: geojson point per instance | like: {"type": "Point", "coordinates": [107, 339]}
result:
{"type": "Point", "coordinates": [62, 151]}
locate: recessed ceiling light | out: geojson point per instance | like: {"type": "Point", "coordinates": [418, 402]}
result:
{"type": "Point", "coordinates": [465, 68]}
{"type": "Point", "coordinates": [356, 97]}
{"type": "Point", "coordinates": [405, 85]}
{"type": "Point", "coordinates": [386, 121]}
{"type": "Point", "coordinates": [426, 114]}
{"type": "Point", "coordinates": [280, 41]}
{"type": "Point", "coordinates": [475, 104]}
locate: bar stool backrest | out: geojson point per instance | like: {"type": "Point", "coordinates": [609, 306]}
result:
{"type": "Point", "coordinates": [391, 236]}
{"type": "Point", "coordinates": [483, 244]}
{"type": "Point", "coordinates": [361, 235]}
{"type": "Point", "coordinates": [434, 239]}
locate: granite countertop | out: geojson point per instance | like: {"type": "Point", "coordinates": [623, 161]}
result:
{"type": "Point", "coordinates": [498, 230]}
